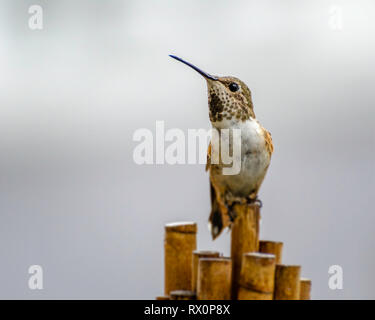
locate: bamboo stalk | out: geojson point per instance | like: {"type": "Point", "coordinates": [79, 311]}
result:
{"type": "Point", "coordinates": [287, 282]}
{"type": "Point", "coordinates": [214, 279]}
{"type": "Point", "coordinates": [257, 277]}
{"type": "Point", "coordinates": [179, 243]}
{"type": "Point", "coordinates": [182, 295]}
{"type": "Point", "coordinates": [305, 289]}
{"type": "Point", "coordinates": [272, 247]}
{"type": "Point", "coordinates": [244, 238]}
{"type": "Point", "coordinates": [198, 254]}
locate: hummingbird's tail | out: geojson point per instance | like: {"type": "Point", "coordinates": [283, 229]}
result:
{"type": "Point", "coordinates": [218, 219]}
{"type": "Point", "coordinates": [215, 222]}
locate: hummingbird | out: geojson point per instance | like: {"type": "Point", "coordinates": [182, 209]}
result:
{"type": "Point", "coordinates": [230, 107]}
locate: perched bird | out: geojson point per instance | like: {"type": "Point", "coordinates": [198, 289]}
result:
{"type": "Point", "coordinates": [231, 107]}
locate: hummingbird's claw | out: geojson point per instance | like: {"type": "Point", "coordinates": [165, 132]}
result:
{"type": "Point", "coordinates": [259, 202]}
{"type": "Point", "coordinates": [255, 201]}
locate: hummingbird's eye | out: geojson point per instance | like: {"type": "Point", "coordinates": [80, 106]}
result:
{"type": "Point", "coordinates": [234, 87]}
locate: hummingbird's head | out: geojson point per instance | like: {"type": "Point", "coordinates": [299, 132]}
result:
{"type": "Point", "coordinates": [229, 98]}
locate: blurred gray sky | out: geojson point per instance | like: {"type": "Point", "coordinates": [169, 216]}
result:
{"type": "Point", "coordinates": [73, 201]}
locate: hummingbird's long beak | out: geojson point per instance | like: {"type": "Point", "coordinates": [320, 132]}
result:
{"type": "Point", "coordinates": [204, 74]}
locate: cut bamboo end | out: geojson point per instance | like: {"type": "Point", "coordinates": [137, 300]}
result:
{"type": "Point", "coordinates": [287, 282]}
{"type": "Point", "coordinates": [198, 254]}
{"type": "Point", "coordinates": [179, 243]}
{"type": "Point", "coordinates": [182, 227]}
{"type": "Point", "coordinates": [272, 247]}
{"type": "Point", "coordinates": [182, 295]}
{"type": "Point", "coordinates": [162, 298]}
{"type": "Point", "coordinates": [257, 277]}
{"type": "Point", "coordinates": [214, 279]}
{"type": "Point", "coordinates": [305, 289]}
{"type": "Point", "coordinates": [244, 238]}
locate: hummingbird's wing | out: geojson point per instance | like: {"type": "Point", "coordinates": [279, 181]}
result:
{"type": "Point", "coordinates": [268, 140]}
{"type": "Point", "coordinates": [208, 157]}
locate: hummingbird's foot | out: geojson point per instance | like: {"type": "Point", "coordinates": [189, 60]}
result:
{"type": "Point", "coordinates": [259, 202]}
{"type": "Point", "coordinates": [232, 215]}
{"type": "Point", "coordinates": [255, 201]}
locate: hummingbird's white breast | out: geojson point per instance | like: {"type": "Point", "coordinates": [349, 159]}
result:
{"type": "Point", "coordinates": [255, 158]}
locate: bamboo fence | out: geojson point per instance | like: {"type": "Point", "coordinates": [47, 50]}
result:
{"type": "Point", "coordinates": [254, 270]}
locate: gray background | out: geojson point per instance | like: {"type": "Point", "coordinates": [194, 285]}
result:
{"type": "Point", "coordinates": [73, 201]}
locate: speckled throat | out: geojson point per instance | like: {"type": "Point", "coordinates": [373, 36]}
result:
{"type": "Point", "coordinates": [224, 104]}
